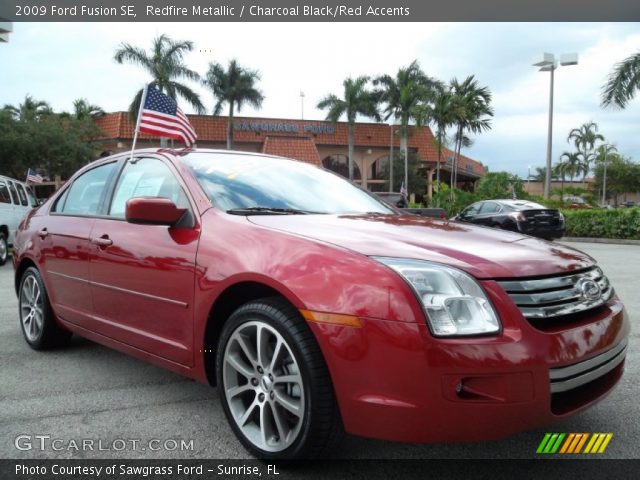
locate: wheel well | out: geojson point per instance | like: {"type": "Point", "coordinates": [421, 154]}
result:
{"type": "Point", "coordinates": [24, 264]}
{"type": "Point", "coordinates": [228, 302]}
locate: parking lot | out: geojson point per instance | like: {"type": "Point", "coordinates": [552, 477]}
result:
{"type": "Point", "coordinates": [90, 392]}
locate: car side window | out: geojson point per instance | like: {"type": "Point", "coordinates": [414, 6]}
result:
{"type": "Point", "coordinates": [146, 177]}
{"type": "Point", "coordinates": [471, 210]}
{"type": "Point", "coordinates": [489, 207]}
{"type": "Point", "coordinates": [84, 196]}
{"type": "Point", "coordinates": [33, 201]}
{"type": "Point", "coordinates": [22, 194]}
{"type": "Point", "coordinates": [4, 193]}
{"type": "Point", "coordinates": [14, 193]}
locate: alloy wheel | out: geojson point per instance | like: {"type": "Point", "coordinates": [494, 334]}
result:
{"type": "Point", "coordinates": [263, 386]}
{"type": "Point", "coordinates": [31, 308]}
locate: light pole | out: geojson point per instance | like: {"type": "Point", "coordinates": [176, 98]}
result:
{"type": "Point", "coordinates": [549, 64]}
{"type": "Point", "coordinates": [604, 150]}
{"type": "Point", "coordinates": [604, 176]}
{"type": "Point", "coordinates": [528, 178]}
{"type": "Point", "coordinates": [301, 105]}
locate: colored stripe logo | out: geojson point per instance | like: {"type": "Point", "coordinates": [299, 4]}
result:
{"type": "Point", "coordinates": [574, 443]}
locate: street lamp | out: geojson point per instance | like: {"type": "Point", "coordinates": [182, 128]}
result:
{"type": "Point", "coordinates": [301, 105]}
{"type": "Point", "coordinates": [549, 64]}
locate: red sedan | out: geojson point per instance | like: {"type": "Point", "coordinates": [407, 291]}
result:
{"type": "Point", "coordinates": [314, 307]}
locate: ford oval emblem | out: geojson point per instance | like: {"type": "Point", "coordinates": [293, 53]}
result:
{"type": "Point", "coordinates": [589, 289]}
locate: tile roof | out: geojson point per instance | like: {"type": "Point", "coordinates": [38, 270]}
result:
{"type": "Point", "coordinates": [300, 148]}
{"type": "Point", "coordinates": [257, 130]}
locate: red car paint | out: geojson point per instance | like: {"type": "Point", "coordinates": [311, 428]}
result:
{"type": "Point", "coordinates": [150, 294]}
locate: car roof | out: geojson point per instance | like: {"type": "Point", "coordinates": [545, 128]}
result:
{"type": "Point", "coordinates": [518, 203]}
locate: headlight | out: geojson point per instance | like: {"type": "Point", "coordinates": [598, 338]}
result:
{"type": "Point", "coordinates": [453, 301]}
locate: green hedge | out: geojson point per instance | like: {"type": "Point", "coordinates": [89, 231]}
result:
{"type": "Point", "coordinates": [623, 223]}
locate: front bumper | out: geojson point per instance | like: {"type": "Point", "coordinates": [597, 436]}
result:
{"type": "Point", "coordinates": [394, 381]}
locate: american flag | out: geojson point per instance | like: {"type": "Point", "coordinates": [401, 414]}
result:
{"type": "Point", "coordinates": [161, 116]}
{"type": "Point", "coordinates": [403, 190]}
{"type": "Point", "coordinates": [33, 177]}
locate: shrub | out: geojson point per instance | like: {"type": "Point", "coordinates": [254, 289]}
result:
{"type": "Point", "coordinates": [622, 223]}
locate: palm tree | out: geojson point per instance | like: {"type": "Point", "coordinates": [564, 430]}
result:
{"type": "Point", "coordinates": [472, 114]}
{"type": "Point", "coordinates": [164, 63]}
{"type": "Point", "coordinates": [357, 100]}
{"type": "Point", "coordinates": [623, 82]}
{"type": "Point", "coordinates": [82, 109]}
{"type": "Point", "coordinates": [28, 110]}
{"type": "Point", "coordinates": [573, 164]}
{"type": "Point", "coordinates": [603, 156]}
{"type": "Point", "coordinates": [235, 86]}
{"type": "Point", "coordinates": [442, 114]}
{"type": "Point", "coordinates": [585, 138]}
{"type": "Point", "coordinates": [402, 95]}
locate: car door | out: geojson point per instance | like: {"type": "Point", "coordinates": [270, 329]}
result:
{"type": "Point", "coordinates": [469, 213]}
{"type": "Point", "coordinates": [142, 276]}
{"type": "Point", "coordinates": [486, 213]}
{"type": "Point", "coordinates": [15, 209]}
{"type": "Point", "coordinates": [6, 211]}
{"type": "Point", "coordinates": [64, 242]}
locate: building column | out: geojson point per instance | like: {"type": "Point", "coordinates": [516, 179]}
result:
{"type": "Point", "coordinates": [430, 173]}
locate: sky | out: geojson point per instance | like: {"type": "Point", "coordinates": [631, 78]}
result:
{"type": "Point", "coordinates": [60, 62]}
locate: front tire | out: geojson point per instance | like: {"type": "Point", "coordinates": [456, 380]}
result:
{"type": "Point", "coordinates": [274, 384]}
{"type": "Point", "coordinates": [4, 249]}
{"type": "Point", "coordinates": [36, 316]}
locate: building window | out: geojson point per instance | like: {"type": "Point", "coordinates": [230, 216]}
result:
{"type": "Point", "coordinates": [340, 164]}
{"type": "Point", "coordinates": [380, 169]}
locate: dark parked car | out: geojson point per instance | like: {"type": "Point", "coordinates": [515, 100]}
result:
{"type": "Point", "coordinates": [515, 215]}
{"type": "Point", "coordinates": [314, 307]}
{"type": "Point", "coordinates": [398, 200]}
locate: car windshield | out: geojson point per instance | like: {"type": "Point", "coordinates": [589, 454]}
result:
{"type": "Point", "coordinates": [255, 184]}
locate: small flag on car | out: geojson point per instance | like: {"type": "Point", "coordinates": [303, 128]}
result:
{"type": "Point", "coordinates": [160, 115]}
{"type": "Point", "coordinates": [33, 177]}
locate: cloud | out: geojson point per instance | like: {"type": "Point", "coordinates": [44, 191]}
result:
{"type": "Point", "coordinates": [60, 62]}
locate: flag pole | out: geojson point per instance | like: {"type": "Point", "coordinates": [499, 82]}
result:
{"type": "Point", "coordinates": [137, 130]}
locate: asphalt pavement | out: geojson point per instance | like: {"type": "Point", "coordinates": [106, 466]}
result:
{"type": "Point", "coordinates": [127, 408]}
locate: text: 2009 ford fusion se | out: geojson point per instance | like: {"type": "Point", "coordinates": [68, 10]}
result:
{"type": "Point", "coordinates": [314, 307]}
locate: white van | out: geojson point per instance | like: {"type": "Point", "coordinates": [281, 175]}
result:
{"type": "Point", "coordinates": [16, 199]}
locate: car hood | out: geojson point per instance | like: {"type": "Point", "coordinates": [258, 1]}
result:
{"type": "Point", "coordinates": [482, 252]}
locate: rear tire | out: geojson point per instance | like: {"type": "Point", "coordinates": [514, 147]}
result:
{"type": "Point", "coordinates": [4, 249]}
{"type": "Point", "coordinates": [36, 316]}
{"type": "Point", "coordinates": [280, 403]}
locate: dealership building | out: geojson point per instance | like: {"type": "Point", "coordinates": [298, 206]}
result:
{"type": "Point", "coordinates": [317, 142]}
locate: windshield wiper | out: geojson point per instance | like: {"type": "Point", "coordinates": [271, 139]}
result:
{"type": "Point", "coordinates": [268, 211]}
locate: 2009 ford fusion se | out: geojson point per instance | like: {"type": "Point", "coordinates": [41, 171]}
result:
{"type": "Point", "coordinates": [313, 307]}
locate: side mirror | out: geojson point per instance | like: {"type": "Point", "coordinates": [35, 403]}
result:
{"type": "Point", "coordinates": [153, 211]}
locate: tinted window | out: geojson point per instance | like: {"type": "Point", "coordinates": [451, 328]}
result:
{"type": "Point", "coordinates": [246, 181]}
{"type": "Point", "coordinates": [489, 207]}
{"type": "Point", "coordinates": [14, 193]}
{"type": "Point", "coordinates": [4, 193]}
{"type": "Point", "coordinates": [472, 210]}
{"type": "Point", "coordinates": [147, 177]}
{"type": "Point", "coordinates": [83, 198]}
{"type": "Point", "coordinates": [33, 201]}
{"type": "Point", "coordinates": [22, 194]}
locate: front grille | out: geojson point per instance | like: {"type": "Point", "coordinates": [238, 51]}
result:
{"type": "Point", "coordinates": [560, 295]}
{"type": "Point", "coordinates": [573, 376]}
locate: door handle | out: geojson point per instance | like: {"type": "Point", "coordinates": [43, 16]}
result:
{"type": "Point", "coordinates": [103, 241]}
{"type": "Point", "coordinates": [43, 232]}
